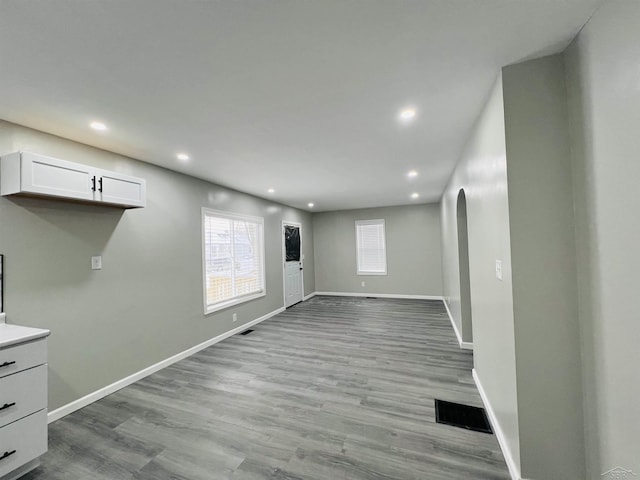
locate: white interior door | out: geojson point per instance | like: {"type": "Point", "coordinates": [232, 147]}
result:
{"type": "Point", "coordinates": [293, 283]}
{"type": "Point", "coordinates": [293, 291]}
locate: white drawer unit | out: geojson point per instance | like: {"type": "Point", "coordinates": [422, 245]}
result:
{"type": "Point", "coordinates": [22, 356]}
{"type": "Point", "coordinates": [22, 441]}
{"type": "Point", "coordinates": [22, 394]}
{"type": "Point", "coordinates": [23, 399]}
{"type": "Point", "coordinates": [31, 174]}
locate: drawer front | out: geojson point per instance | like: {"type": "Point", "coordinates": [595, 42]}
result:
{"type": "Point", "coordinates": [22, 394]}
{"type": "Point", "coordinates": [20, 357]}
{"type": "Point", "coordinates": [26, 438]}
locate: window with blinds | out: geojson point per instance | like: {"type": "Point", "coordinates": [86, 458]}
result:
{"type": "Point", "coordinates": [371, 247]}
{"type": "Point", "coordinates": [233, 256]}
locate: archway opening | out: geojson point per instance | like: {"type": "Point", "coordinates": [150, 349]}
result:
{"type": "Point", "coordinates": [463, 256]}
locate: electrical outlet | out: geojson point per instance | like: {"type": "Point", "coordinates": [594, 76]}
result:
{"type": "Point", "coordinates": [362, 284]}
{"type": "Point", "coordinates": [499, 269]}
{"type": "Point", "coordinates": [96, 262]}
{"type": "Point", "coordinates": [235, 317]}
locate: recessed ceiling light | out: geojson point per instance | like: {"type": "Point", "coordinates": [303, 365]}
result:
{"type": "Point", "coordinates": [183, 156]}
{"type": "Point", "coordinates": [310, 204]}
{"type": "Point", "coordinates": [412, 174]}
{"type": "Point", "coordinates": [415, 195]}
{"type": "Point", "coordinates": [101, 127]}
{"type": "Point", "coordinates": [271, 190]}
{"type": "Point", "coordinates": [407, 114]}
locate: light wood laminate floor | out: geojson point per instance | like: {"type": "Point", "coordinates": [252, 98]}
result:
{"type": "Point", "coordinates": [332, 389]}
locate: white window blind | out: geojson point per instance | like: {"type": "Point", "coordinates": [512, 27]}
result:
{"type": "Point", "coordinates": [371, 247]}
{"type": "Point", "coordinates": [233, 251]}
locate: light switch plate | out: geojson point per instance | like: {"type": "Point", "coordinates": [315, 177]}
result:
{"type": "Point", "coordinates": [499, 269]}
{"type": "Point", "coordinates": [96, 262]}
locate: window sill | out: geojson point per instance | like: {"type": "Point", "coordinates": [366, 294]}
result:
{"type": "Point", "coordinates": [370, 273]}
{"type": "Point", "coordinates": [234, 301]}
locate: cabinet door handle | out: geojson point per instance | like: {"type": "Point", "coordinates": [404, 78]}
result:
{"type": "Point", "coordinates": [7, 405]}
{"type": "Point", "coordinates": [7, 454]}
{"type": "Point", "coordinates": [100, 182]}
{"type": "Point", "coordinates": [6, 364]}
{"type": "Point", "coordinates": [93, 184]}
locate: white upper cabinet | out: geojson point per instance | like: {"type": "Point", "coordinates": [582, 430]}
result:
{"type": "Point", "coordinates": [50, 176]}
{"type": "Point", "coordinates": [24, 173]}
{"type": "Point", "coordinates": [117, 189]}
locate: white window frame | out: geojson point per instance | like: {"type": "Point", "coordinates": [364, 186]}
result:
{"type": "Point", "coordinates": [240, 298]}
{"type": "Point", "coordinates": [379, 221]}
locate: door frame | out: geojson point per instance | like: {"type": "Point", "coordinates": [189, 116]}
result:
{"type": "Point", "coordinates": [284, 261]}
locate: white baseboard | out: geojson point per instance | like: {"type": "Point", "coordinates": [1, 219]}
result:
{"type": "Point", "coordinates": [307, 297]}
{"type": "Point", "coordinates": [514, 470]}
{"type": "Point", "coordinates": [380, 295]}
{"type": "Point", "coordinates": [23, 470]}
{"type": "Point", "coordinates": [114, 387]}
{"type": "Point", "coordinates": [463, 345]}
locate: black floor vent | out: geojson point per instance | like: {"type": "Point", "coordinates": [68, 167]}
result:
{"type": "Point", "coordinates": [463, 416]}
{"type": "Point", "coordinates": [246, 332]}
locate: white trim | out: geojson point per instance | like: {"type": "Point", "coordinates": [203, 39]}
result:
{"type": "Point", "coordinates": [514, 471]}
{"type": "Point", "coordinates": [463, 345]}
{"type": "Point", "coordinates": [23, 470]}
{"type": "Point", "coordinates": [233, 215]}
{"type": "Point", "coordinates": [284, 262]}
{"type": "Point", "coordinates": [307, 297]}
{"type": "Point", "coordinates": [380, 295]}
{"type": "Point", "coordinates": [109, 389]}
{"type": "Point", "coordinates": [216, 307]}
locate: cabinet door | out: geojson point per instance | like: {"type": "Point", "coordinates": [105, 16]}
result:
{"type": "Point", "coordinates": [50, 176]}
{"type": "Point", "coordinates": [117, 189]}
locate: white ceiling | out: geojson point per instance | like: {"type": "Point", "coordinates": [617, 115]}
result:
{"type": "Point", "coordinates": [298, 95]}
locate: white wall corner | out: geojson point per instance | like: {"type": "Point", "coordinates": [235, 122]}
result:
{"type": "Point", "coordinates": [120, 384]}
{"type": "Point", "coordinates": [514, 470]}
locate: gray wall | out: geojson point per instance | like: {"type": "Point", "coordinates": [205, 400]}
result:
{"type": "Point", "coordinates": [145, 305]}
{"type": "Point", "coordinates": [517, 176]}
{"type": "Point", "coordinates": [604, 103]}
{"type": "Point", "coordinates": [482, 173]}
{"type": "Point", "coordinates": [413, 251]}
{"type": "Point", "coordinates": [543, 263]}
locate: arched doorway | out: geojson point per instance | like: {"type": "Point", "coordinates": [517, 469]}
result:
{"type": "Point", "coordinates": [463, 256]}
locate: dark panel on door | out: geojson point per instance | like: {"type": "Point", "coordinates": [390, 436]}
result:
{"type": "Point", "coordinates": [292, 243]}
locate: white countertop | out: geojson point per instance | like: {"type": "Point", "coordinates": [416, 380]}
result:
{"type": "Point", "coordinates": [13, 334]}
